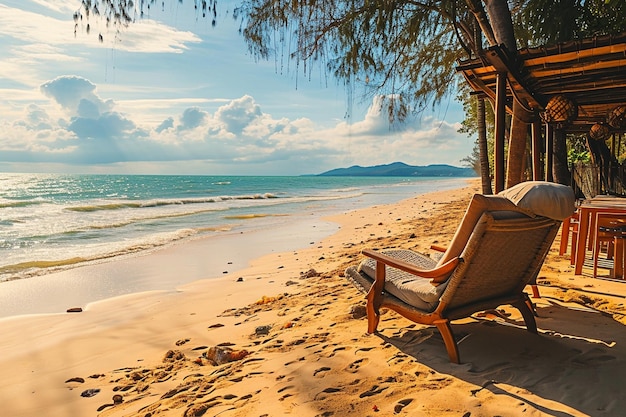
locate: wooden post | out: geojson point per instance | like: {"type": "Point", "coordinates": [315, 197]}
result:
{"type": "Point", "coordinates": [549, 152]}
{"type": "Point", "coordinates": [500, 117]}
{"type": "Point", "coordinates": [536, 150]}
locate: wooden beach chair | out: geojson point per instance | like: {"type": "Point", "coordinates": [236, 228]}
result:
{"type": "Point", "coordinates": [498, 249]}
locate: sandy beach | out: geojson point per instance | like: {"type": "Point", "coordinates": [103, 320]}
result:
{"type": "Point", "coordinates": [291, 323]}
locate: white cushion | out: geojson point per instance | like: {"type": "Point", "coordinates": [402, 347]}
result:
{"type": "Point", "coordinates": [547, 199]}
{"type": "Point", "coordinates": [413, 290]}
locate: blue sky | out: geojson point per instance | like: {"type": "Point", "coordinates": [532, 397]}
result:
{"type": "Point", "coordinates": [170, 94]}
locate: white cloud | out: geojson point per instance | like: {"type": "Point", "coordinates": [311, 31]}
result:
{"type": "Point", "coordinates": [35, 41]}
{"type": "Point", "coordinates": [238, 114]}
{"type": "Point", "coordinates": [238, 132]}
{"type": "Point", "coordinates": [161, 98]}
{"type": "Point", "coordinates": [192, 118]}
{"type": "Point", "coordinates": [76, 95]}
{"type": "Point", "coordinates": [145, 35]}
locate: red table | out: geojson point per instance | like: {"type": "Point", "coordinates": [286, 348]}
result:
{"type": "Point", "coordinates": [586, 228]}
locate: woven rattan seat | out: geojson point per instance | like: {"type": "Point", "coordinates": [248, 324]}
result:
{"type": "Point", "coordinates": [497, 251]}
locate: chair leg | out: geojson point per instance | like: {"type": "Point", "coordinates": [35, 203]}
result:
{"type": "Point", "coordinates": [373, 316]}
{"type": "Point", "coordinates": [531, 306]}
{"type": "Point", "coordinates": [527, 314]}
{"type": "Point", "coordinates": [596, 254]}
{"type": "Point", "coordinates": [535, 291]}
{"type": "Point", "coordinates": [572, 255]}
{"type": "Point", "coordinates": [565, 232]}
{"type": "Point", "coordinates": [443, 325]}
{"type": "Point", "coordinates": [374, 298]}
{"type": "Point", "coordinates": [618, 258]}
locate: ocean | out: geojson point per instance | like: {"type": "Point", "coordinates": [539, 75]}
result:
{"type": "Point", "coordinates": [55, 222]}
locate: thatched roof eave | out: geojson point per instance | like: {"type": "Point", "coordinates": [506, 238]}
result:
{"type": "Point", "coordinates": [591, 72]}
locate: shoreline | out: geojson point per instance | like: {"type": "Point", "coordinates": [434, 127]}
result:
{"type": "Point", "coordinates": [163, 269]}
{"type": "Point", "coordinates": [167, 267]}
{"type": "Point", "coordinates": [316, 359]}
{"type": "Point", "coordinates": [88, 230]}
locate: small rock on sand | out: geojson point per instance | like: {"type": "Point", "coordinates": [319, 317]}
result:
{"type": "Point", "coordinates": [357, 311]}
{"type": "Point", "coordinates": [262, 330]}
{"type": "Point", "coordinates": [89, 392]}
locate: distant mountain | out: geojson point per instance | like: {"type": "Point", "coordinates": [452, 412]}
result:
{"type": "Point", "coordinates": [400, 169]}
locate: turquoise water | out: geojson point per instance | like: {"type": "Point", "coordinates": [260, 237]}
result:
{"type": "Point", "coordinates": [51, 222]}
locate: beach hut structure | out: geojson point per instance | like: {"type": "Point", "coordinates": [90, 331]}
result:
{"type": "Point", "coordinates": [577, 87]}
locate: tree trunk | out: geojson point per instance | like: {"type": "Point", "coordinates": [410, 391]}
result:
{"type": "Point", "coordinates": [500, 17]}
{"type": "Point", "coordinates": [517, 147]}
{"type": "Point", "coordinates": [560, 170]}
{"type": "Point", "coordinates": [502, 24]}
{"type": "Point", "coordinates": [483, 148]}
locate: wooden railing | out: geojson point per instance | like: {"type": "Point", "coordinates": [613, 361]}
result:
{"type": "Point", "coordinates": [590, 180]}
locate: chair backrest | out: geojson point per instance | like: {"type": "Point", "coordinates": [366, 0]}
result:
{"type": "Point", "coordinates": [534, 198]}
{"type": "Point", "coordinates": [503, 254]}
{"type": "Point", "coordinates": [479, 204]}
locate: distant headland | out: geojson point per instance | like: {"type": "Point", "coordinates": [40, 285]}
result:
{"type": "Point", "coordinates": [400, 169]}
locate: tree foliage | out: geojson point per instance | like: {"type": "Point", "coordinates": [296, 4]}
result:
{"type": "Point", "coordinates": [548, 22]}
{"type": "Point", "coordinates": [405, 49]}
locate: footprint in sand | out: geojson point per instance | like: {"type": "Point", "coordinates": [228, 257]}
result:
{"type": "Point", "coordinates": [182, 341]}
{"type": "Point", "coordinates": [297, 360]}
{"type": "Point", "coordinates": [320, 370]}
{"type": "Point", "coordinates": [401, 404]}
{"type": "Point", "coordinates": [376, 389]}
{"type": "Point", "coordinates": [117, 399]}
{"type": "Point", "coordinates": [337, 349]}
{"type": "Point", "coordinates": [285, 388]}
{"type": "Point", "coordinates": [354, 366]}
{"type": "Point", "coordinates": [331, 390]}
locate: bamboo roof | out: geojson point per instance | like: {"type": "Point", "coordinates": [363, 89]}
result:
{"type": "Point", "coordinates": [591, 72]}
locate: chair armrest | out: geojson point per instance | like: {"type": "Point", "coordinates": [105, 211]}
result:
{"type": "Point", "coordinates": [438, 248]}
{"type": "Point", "coordinates": [437, 275]}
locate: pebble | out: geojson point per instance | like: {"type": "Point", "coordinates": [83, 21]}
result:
{"type": "Point", "coordinates": [89, 392]}
{"type": "Point", "coordinates": [262, 330]}
{"type": "Point", "coordinates": [358, 311]}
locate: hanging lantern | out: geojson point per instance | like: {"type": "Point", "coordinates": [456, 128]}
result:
{"type": "Point", "coordinates": [560, 110]}
{"type": "Point", "coordinates": [599, 131]}
{"type": "Point", "coordinates": [617, 118]}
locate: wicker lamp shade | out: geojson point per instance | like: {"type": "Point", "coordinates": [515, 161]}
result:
{"type": "Point", "coordinates": [600, 131]}
{"type": "Point", "coordinates": [617, 118]}
{"type": "Point", "coordinates": [560, 110]}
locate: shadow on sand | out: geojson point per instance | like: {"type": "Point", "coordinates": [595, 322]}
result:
{"type": "Point", "coordinates": [578, 360]}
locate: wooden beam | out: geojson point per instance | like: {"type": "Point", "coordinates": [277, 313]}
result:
{"type": "Point", "coordinates": [497, 57]}
{"type": "Point", "coordinates": [499, 132]}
